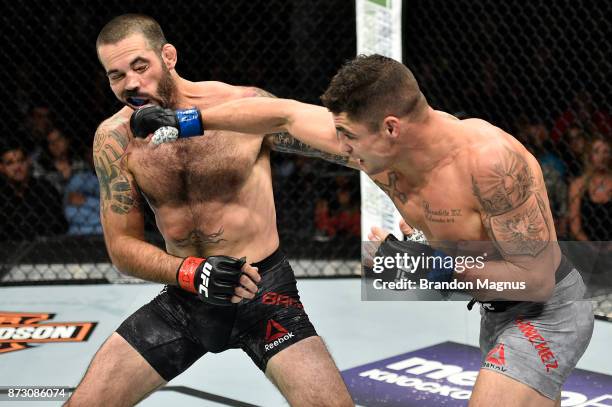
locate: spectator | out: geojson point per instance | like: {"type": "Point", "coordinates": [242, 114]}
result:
{"type": "Point", "coordinates": [82, 202]}
{"type": "Point", "coordinates": [29, 207]}
{"type": "Point", "coordinates": [591, 195]}
{"type": "Point", "coordinates": [344, 222]}
{"type": "Point", "coordinates": [535, 137]}
{"type": "Point", "coordinates": [572, 151]}
{"type": "Point", "coordinates": [58, 161]}
{"type": "Point", "coordinates": [585, 115]}
{"type": "Point", "coordinates": [38, 123]}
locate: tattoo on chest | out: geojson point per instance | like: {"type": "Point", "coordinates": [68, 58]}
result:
{"type": "Point", "coordinates": [391, 189]}
{"type": "Point", "coordinates": [440, 215]}
{"type": "Point", "coordinates": [199, 240]}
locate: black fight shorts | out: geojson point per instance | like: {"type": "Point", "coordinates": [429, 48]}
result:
{"type": "Point", "coordinates": [175, 329]}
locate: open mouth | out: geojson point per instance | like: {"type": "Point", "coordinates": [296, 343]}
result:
{"type": "Point", "coordinates": [137, 101]}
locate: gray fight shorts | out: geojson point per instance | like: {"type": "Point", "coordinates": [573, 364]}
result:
{"type": "Point", "coordinates": [539, 344]}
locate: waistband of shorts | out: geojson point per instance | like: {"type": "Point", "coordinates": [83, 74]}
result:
{"type": "Point", "coordinates": [277, 257]}
{"type": "Point", "coordinates": [565, 267]}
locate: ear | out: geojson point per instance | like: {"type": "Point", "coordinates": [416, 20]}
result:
{"type": "Point", "coordinates": [391, 126]}
{"type": "Point", "coordinates": [169, 57]}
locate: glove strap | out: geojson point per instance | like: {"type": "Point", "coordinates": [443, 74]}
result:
{"type": "Point", "coordinates": [185, 276]}
{"type": "Point", "coordinates": [442, 274]}
{"type": "Point", "coordinates": [190, 122]}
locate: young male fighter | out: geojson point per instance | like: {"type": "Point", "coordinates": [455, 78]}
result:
{"type": "Point", "coordinates": [213, 204]}
{"type": "Point", "coordinates": [456, 180]}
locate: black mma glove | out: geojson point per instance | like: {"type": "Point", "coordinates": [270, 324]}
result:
{"type": "Point", "coordinates": [213, 279]}
{"type": "Point", "coordinates": [440, 266]}
{"type": "Point", "coordinates": [173, 123]}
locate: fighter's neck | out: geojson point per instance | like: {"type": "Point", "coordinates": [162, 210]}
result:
{"type": "Point", "coordinates": [186, 93]}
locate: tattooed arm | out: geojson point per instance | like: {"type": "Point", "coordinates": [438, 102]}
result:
{"type": "Point", "coordinates": [286, 143]}
{"type": "Point", "coordinates": [290, 126]}
{"type": "Point", "coordinates": [513, 206]}
{"type": "Point", "coordinates": [121, 210]}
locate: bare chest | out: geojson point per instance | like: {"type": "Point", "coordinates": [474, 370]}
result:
{"type": "Point", "coordinates": [443, 208]}
{"type": "Point", "coordinates": [209, 168]}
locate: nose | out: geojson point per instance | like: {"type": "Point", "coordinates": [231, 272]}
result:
{"type": "Point", "coordinates": [132, 82]}
{"type": "Point", "coordinates": [346, 148]}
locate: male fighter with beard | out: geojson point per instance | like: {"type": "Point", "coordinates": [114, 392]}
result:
{"type": "Point", "coordinates": [456, 180]}
{"type": "Point", "coordinates": [213, 203]}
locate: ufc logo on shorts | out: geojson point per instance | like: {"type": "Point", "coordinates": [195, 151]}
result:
{"type": "Point", "coordinates": [205, 276]}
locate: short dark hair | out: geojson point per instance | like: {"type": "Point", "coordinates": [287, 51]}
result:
{"type": "Point", "coordinates": [11, 144]}
{"type": "Point", "coordinates": [371, 87]}
{"type": "Point", "coordinates": [127, 24]}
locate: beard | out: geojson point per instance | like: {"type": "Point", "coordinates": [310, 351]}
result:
{"type": "Point", "coordinates": [166, 89]}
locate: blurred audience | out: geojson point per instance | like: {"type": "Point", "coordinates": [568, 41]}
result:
{"type": "Point", "coordinates": [590, 196]}
{"type": "Point", "coordinates": [584, 114]}
{"type": "Point", "coordinates": [29, 207]}
{"type": "Point", "coordinates": [343, 221]}
{"type": "Point", "coordinates": [572, 151]}
{"type": "Point", "coordinates": [38, 123]}
{"type": "Point", "coordinates": [534, 137]}
{"type": "Point", "coordinates": [82, 201]}
{"type": "Point", "coordinates": [58, 160]}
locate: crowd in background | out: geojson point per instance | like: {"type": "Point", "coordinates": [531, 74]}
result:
{"type": "Point", "coordinates": [47, 182]}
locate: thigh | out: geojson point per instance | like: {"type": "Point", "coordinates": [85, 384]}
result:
{"type": "Point", "coordinates": [151, 347]}
{"type": "Point", "coordinates": [534, 345]}
{"type": "Point", "coordinates": [117, 376]}
{"type": "Point", "coordinates": [307, 376]}
{"type": "Point", "coordinates": [496, 389]}
{"type": "Point", "coordinates": [277, 334]}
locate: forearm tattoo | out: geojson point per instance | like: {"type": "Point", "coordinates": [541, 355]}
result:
{"type": "Point", "coordinates": [514, 211]}
{"type": "Point", "coordinates": [286, 143]}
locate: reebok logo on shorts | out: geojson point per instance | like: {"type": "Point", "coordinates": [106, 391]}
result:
{"type": "Point", "coordinates": [496, 358]}
{"type": "Point", "coordinates": [276, 334]}
{"type": "Point", "coordinates": [541, 345]}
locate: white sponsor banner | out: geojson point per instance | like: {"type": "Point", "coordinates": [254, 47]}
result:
{"type": "Point", "coordinates": [379, 31]}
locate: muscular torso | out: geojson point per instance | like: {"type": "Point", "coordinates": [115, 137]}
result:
{"type": "Point", "coordinates": [211, 194]}
{"type": "Point", "coordinates": [448, 205]}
